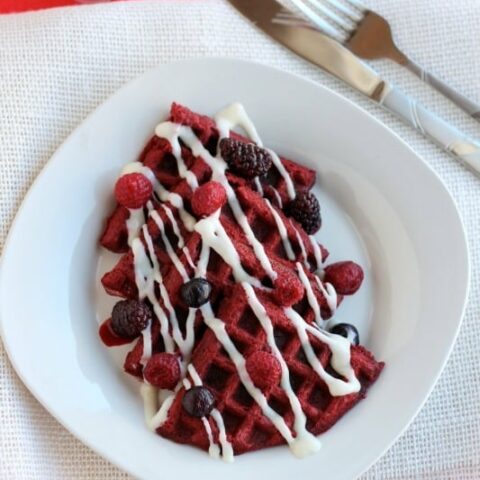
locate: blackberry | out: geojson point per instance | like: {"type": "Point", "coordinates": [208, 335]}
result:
{"type": "Point", "coordinates": [196, 292]}
{"type": "Point", "coordinates": [348, 331]}
{"type": "Point", "coordinates": [130, 317]}
{"type": "Point", "coordinates": [245, 159]}
{"type": "Point", "coordinates": [305, 209]}
{"type": "Point", "coordinates": [198, 401]}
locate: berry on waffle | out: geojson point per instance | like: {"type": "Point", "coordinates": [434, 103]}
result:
{"type": "Point", "coordinates": [227, 293]}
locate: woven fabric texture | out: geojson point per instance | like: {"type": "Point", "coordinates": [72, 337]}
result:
{"type": "Point", "coordinates": [56, 66]}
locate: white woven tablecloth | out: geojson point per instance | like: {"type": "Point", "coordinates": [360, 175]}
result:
{"type": "Point", "coordinates": [56, 66]}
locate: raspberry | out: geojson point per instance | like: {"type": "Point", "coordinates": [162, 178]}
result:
{"type": "Point", "coordinates": [346, 277]}
{"type": "Point", "coordinates": [245, 159]}
{"type": "Point", "coordinates": [133, 190]}
{"type": "Point", "coordinates": [264, 369]}
{"type": "Point", "coordinates": [130, 317]}
{"type": "Point", "coordinates": [305, 209]}
{"type": "Point", "coordinates": [288, 289]}
{"type": "Point", "coordinates": [162, 371]}
{"type": "Point", "coordinates": [208, 198]}
{"type": "Point", "coordinates": [198, 401]}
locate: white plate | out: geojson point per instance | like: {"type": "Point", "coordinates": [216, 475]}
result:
{"type": "Point", "coordinates": [381, 207]}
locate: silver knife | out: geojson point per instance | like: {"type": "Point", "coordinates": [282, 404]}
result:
{"type": "Point", "coordinates": [334, 58]}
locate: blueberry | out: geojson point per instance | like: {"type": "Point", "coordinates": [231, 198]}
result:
{"type": "Point", "coordinates": [348, 331]}
{"type": "Point", "coordinates": [198, 401]}
{"type": "Point", "coordinates": [130, 317]}
{"type": "Point", "coordinates": [196, 292]}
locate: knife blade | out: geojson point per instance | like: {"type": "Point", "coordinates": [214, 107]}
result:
{"type": "Point", "coordinates": [334, 58]}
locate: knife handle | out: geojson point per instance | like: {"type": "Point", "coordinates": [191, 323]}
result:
{"type": "Point", "coordinates": [433, 127]}
{"type": "Point", "coordinates": [467, 105]}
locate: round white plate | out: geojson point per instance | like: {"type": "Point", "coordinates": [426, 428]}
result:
{"type": "Point", "coordinates": [381, 207]}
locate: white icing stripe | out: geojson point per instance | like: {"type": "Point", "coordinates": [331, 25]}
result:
{"type": "Point", "coordinates": [213, 449]}
{"type": "Point", "coordinates": [340, 360]}
{"type": "Point", "coordinates": [176, 229]}
{"type": "Point", "coordinates": [161, 416]}
{"type": "Point", "coordinates": [218, 328]}
{"type": "Point", "coordinates": [178, 234]}
{"type": "Point", "coordinates": [304, 443]}
{"type": "Point", "coordinates": [312, 299]}
{"type": "Point", "coordinates": [134, 224]}
{"type": "Point", "coordinates": [283, 172]}
{"type": "Point", "coordinates": [162, 193]}
{"type": "Point", "coordinates": [218, 166]}
{"type": "Point", "coordinates": [150, 402]}
{"type": "Point", "coordinates": [154, 416]}
{"type": "Point", "coordinates": [147, 344]}
{"type": "Point", "coordinates": [301, 245]}
{"type": "Point", "coordinates": [214, 236]}
{"type": "Point", "coordinates": [235, 115]}
{"type": "Point", "coordinates": [227, 450]}
{"type": "Point", "coordinates": [258, 186]}
{"type": "Point", "coordinates": [185, 344]}
{"type": "Point", "coordinates": [282, 230]}
{"type": "Point", "coordinates": [277, 197]}
{"type": "Point", "coordinates": [156, 276]}
{"type": "Point", "coordinates": [329, 293]}
{"type": "Point", "coordinates": [144, 278]}
{"type": "Point", "coordinates": [170, 131]}
{"type": "Point", "coordinates": [168, 246]}
{"type": "Point", "coordinates": [316, 251]}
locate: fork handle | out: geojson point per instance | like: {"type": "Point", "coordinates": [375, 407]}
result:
{"type": "Point", "coordinates": [433, 127]}
{"type": "Point", "coordinates": [467, 105]}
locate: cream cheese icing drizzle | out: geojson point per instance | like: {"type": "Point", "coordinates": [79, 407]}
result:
{"type": "Point", "coordinates": [303, 251]}
{"type": "Point", "coordinates": [278, 198]}
{"type": "Point", "coordinates": [218, 328]}
{"type": "Point", "coordinates": [134, 224]}
{"type": "Point", "coordinates": [227, 450]}
{"type": "Point", "coordinates": [162, 193]}
{"type": "Point", "coordinates": [282, 230]}
{"type": "Point", "coordinates": [258, 186]}
{"type": "Point", "coordinates": [169, 130]}
{"type": "Point", "coordinates": [340, 360]}
{"type": "Point", "coordinates": [213, 449]}
{"type": "Point", "coordinates": [312, 299]}
{"type": "Point", "coordinates": [214, 236]}
{"type": "Point", "coordinates": [235, 116]}
{"type": "Point", "coordinates": [316, 251]}
{"type": "Point", "coordinates": [304, 443]}
{"type": "Point", "coordinates": [154, 416]}
{"type": "Point", "coordinates": [219, 166]}
{"type": "Point", "coordinates": [178, 234]}
{"type": "Point", "coordinates": [330, 294]}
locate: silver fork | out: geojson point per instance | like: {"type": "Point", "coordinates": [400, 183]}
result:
{"type": "Point", "coordinates": [368, 35]}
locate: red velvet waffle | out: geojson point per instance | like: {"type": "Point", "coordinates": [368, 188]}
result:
{"type": "Point", "coordinates": [247, 428]}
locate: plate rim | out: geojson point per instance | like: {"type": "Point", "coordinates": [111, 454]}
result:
{"type": "Point", "coordinates": [220, 61]}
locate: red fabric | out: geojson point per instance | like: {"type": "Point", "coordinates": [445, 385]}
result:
{"type": "Point", "coordinates": [12, 6]}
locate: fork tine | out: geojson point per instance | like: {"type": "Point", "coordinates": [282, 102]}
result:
{"type": "Point", "coordinates": [342, 23]}
{"type": "Point", "coordinates": [289, 18]}
{"type": "Point", "coordinates": [348, 11]}
{"type": "Point", "coordinates": [319, 22]}
{"type": "Point", "coordinates": [358, 5]}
